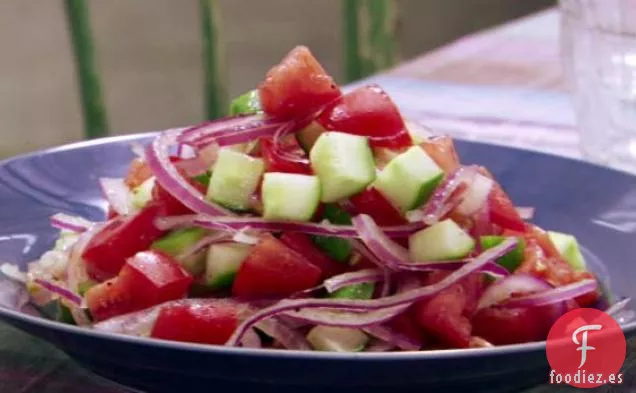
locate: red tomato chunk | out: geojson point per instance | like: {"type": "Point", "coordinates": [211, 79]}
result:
{"type": "Point", "coordinates": [368, 111]}
{"type": "Point", "coordinates": [274, 270]}
{"type": "Point", "coordinates": [297, 86]}
{"type": "Point", "coordinates": [147, 279]}
{"type": "Point", "coordinates": [206, 323]}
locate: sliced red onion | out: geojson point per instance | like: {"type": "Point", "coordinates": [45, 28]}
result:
{"type": "Point", "coordinates": [506, 288]}
{"type": "Point", "coordinates": [222, 125]}
{"type": "Point", "coordinates": [526, 213]}
{"type": "Point", "coordinates": [476, 195]}
{"type": "Point", "coordinates": [246, 236]}
{"type": "Point", "coordinates": [76, 269]}
{"type": "Point", "coordinates": [246, 132]}
{"type": "Point", "coordinates": [554, 295]}
{"type": "Point", "coordinates": [139, 323]}
{"type": "Point", "coordinates": [388, 254]}
{"type": "Point", "coordinates": [13, 272]}
{"type": "Point", "coordinates": [385, 249]}
{"type": "Point", "coordinates": [376, 345]}
{"type": "Point", "coordinates": [203, 243]}
{"type": "Point", "coordinates": [158, 158]}
{"type": "Point", "coordinates": [60, 290]}
{"type": "Point", "coordinates": [118, 195]}
{"type": "Point", "coordinates": [288, 337]}
{"type": "Point", "coordinates": [395, 338]}
{"type": "Point", "coordinates": [482, 226]}
{"type": "Point", "coordinates": [437, 206]}
{"type": "Point", "coordinates": [361, 276]}
{"type": "Point", "coordinates": [257, 223]}
{"type": "Point", "coordinates": [491, 268]}
{"type": "Point", "coordinates": [70, 223]}
{"type": "Point", "coordinates": [338, 317]}
{"type": "Point", "coordinates": [251, 340]}
{"type": "Point", "coordinates": [388, 305]}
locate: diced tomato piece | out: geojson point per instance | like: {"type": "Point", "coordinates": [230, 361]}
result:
{"type": "Point", "coordinates": [502, 210]}
{"type": "Point", "coordinates": [171, 205]}
{"type": "Point", "coordinates": [297, 86]}
{"type": "Point", "coordinates": [109, 299]}
{"type": "Point", "coordinates": [303, 245]}
{"type": "Point", "coordinates": [554, 270]}
{"type": "Point", "coordinates": [503, 326]}
{"type": "Point", "coordinates": [447, 314]}
{"type": "Point", "coordinates": [206, 323]}
{"type": "Point", "coordinates": [373, 203]}
{"type": "Point", "coordinates": [276, 161]}
{"type": "Point", "coordinates": [543, 240]}
{"type": "Point", "coordinates": [442, 151]}
{"type": "Point", "coordinates": [368, 111]}
{"type": "Point", "coordinates": [272, 269]}
{"type": "Point", "coordinates": [147, 279]}
{"type": "Point", "coordinates": [406, 325]}
{"type": "Point", "coordinates": [107, 251]}
{"type": "Point", "coordinates": [138, 172]}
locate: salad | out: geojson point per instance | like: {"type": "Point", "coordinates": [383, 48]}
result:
{"type": "Point", "coordinates": [311, 219]}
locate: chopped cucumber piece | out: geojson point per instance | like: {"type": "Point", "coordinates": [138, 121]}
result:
{"type": "Point", "coordinates": [569, 249]}
{"type": "Point", "coordinates": [441, 241]}
{"type": "Point", "coordinates": [203, 178]}
{"type": "Point", "coordinates": [290, 196]}
{"type": "Point", "coordinates": [246, 103]}
{"type": "Point", "coordinates": [511, 260]}
{"type": "Point", "coordinates": [63, 313]}
{"type": "Point", "coordinates": [336, 215]}
{"type": "Point", "coordinates": [336, 248]}
{"type": "Point", "coordinates": [142, 194]}
{"type": "Point", "coordinates": [337, 339]}
{"type": "Point", "coordinates": [408, 180]}
{"type": "Point", "coordinates": [223, 261]}
{"type": "Point", "coordinates": [84, 286]}
{"type": "Point", "coordinates": [235, 179]}
{"type": "Point", "coordinates": [343, 163]}
{"type": "Point", "coordinates": [175, 243]}
{"type": "Point", "coordinates": [356, 291]}
{"type": "Point", "coordinates": [308, 136]}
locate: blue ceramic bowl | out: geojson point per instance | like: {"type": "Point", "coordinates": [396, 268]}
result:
{"type": "Point", "coordinates": [596, 204]}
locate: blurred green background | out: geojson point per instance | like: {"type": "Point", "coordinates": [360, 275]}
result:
{"type": "Point", "coordinates": [150, 61]}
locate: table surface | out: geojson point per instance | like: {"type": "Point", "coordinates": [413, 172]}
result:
{"type": "Point", "coordinates": [502, 85]}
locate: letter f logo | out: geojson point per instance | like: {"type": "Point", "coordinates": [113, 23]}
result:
{"type": "Point", "coordinates": [583, 344]}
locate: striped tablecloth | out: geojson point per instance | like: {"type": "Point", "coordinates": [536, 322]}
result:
{"type": "Point", "coordinates": [502, 86]}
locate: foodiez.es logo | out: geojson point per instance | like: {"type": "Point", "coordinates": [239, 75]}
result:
{"type": "Point", "coordinates": [586, 348]}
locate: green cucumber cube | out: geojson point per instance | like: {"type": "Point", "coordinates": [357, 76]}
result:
{"type": "Point", "coordinates": [247, 103]}
{"type": "Point", "coordinates": [290, 196]}
{"type": "Point", "coordinates": [176, 242]}
{"type": "Point", "coordinates": [441, 241]}
{"type": "Point", "coordinates": [234, 179]}
{"type": "Point", "coordinates": [343, 163]}
{"type": "Point", "coordinates": [142, 194]}
{"type": "Point", "coordinates": [409, 179]}
{"type": "Point", "coordinates": [337, 339]}
{"type": "Point", "coordinates": [362, 291]}
{"type": "Point", "coordinates": [511, 260]}
{"type": "Point", "coordinates": [336, 248]}
{"type": "Point", "coordinates": [569, 249]}
{"type": "Point", "coordinates": [223, 261]}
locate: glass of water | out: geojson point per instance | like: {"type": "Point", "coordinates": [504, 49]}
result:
{"type": "Point", "coordinates": [598, 40]}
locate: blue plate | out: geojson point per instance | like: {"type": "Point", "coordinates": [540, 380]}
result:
{"type": "Point", "coordinates": [596, 204]}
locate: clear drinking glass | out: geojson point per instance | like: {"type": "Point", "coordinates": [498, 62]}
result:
{"type": "Point", "coordinates": [598, 39]}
